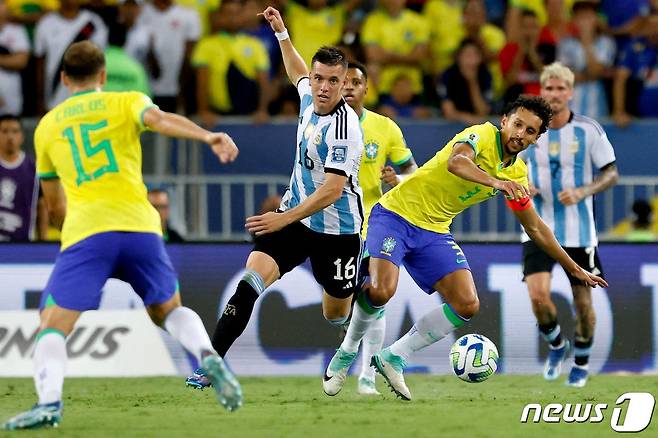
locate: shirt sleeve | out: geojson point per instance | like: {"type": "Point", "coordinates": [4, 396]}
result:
{"type": "Point", "coordinates": [478, 136]}
{"type": "Point", "coordinates": [139, 103]}
{"type": "Point", "coordinates": [305, 96]}
{"type": "Point", "coordinates": [192, 26]}
{"type": "Point", "coordinates": [45, 167]}
{"type": "Point", "coordinates": [200, 54]}
{"type": "Point", "coordinates": [399, 152]}
{"type": "Point", "coordinates": [602, 152]}
{"type": "Point", "coordinates": [39, 37]}
{"type": "Point", "coordinates": [262, 59]}
{"type": "Point", "coordinates": [369, 32]}
{"type": "Point", "coordinates": [22, 41]}
{"type": "Point", "coordinates": [344, 145]}
{"type": "Point", "coordinates": [100, 35]}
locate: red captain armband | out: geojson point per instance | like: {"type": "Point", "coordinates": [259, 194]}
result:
{"type": "Point", "coordinates": [519, 204]}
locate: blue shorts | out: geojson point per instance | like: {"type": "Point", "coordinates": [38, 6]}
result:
{"type": "Point", "coordinates": [81, 270]}
{"type": "Point", "coordinates": [428, 256]}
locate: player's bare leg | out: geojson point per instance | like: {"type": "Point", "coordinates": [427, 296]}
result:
{"type": "Point", "coordinates": [539, 288]}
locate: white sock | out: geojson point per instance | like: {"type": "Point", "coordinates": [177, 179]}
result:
{"type": "Point", "coordinates": [186, 327]}
{"type": "Point", "coordinates": [372, 344]}
{"type": "Point", "coordinates": [363, 314]}
{"type": "Point", "coordinates": [430, 328]}
{"type": "Point", "coordinates": [49, 365]}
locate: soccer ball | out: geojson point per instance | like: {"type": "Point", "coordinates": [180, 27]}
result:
{"type": "Point", "coordinates": [473, 358]}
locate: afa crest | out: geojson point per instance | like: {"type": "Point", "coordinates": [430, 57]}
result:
{"type": "Point", "coordinates": [371, 150]}
{"type": "Point", "coordinates": [388, 245]}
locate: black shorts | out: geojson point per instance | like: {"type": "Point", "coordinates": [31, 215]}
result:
{"type": "Point", "coordinates": [536, 260]}
{"type": "Point", "coordinates": [335, 259]}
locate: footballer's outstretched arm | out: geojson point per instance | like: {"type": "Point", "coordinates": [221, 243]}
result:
{"type": "Point", "coordinates": [324, 196]}
{"type": "Point", "coordinates": [462, 164]}
{"type": "Point", "coordinates": [295, 66]}
{"type": "Point", "coordinates": [543, 236]}
{"type": "Point", "coordinates": [175, 125]}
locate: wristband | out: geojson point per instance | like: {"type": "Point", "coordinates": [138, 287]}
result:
{"type": "Point", "coordinates": [281, 36]}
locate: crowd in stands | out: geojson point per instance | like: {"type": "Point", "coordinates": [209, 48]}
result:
{"type": "Point", "coordinates": [457, 59]}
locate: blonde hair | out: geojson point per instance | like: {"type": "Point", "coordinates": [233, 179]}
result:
{"type": "Point", "coordinates": [557, 70]}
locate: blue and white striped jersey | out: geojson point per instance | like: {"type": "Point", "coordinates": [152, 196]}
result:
{"type": "Point", "coordinates": [330, 143]}
{"type": "Point", "coordinates": [567, 158]}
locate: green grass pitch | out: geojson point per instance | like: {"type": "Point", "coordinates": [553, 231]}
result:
{"type": "Point", "coordinates": [443, 406]}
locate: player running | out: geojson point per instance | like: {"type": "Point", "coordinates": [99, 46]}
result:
{"type": "Point", "coordinates": [561, 167]}
{"type": "Point", "coordinates": [411, 223]}
{"type": "Point", "coordinates": [89, 161]}
{"type": "Point", "coordinates": [383, 140]}
{"type": "Point", "coordinates": [321, 214]}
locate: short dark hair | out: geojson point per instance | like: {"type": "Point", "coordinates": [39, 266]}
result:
{"type": "Point", "coordinates": [83, 60]}
{"type": "Point", "coordinates": [360, 66]}
{"type": "Point", "coordinates": [585, 5]}
{"type": "Point", "coordinates": [11, 117]}
{"type": "Point", "coordinates": [528, 13]}
{"type": "Point", "coordinates": [534, 104]}
{"type": "Point", "coordinates": [329, 55]}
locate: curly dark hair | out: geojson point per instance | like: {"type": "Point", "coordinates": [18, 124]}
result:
{"type": "Point", "coordinates": [534, 104]}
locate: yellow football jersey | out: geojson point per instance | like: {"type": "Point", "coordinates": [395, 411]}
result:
{"type": "Point", "coordinates": [383, 141]}
{"type": "Point", "coordinates": [432, 196]}
{"type": "Point", "coordinates": [91, 143]}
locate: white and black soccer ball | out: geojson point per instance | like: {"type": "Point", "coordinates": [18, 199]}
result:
{"type": "Point", "coordinates": [473, 358]}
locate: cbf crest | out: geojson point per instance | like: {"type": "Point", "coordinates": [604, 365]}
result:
{"type": "Point", "coordinates": [371, 150]}
{"type": "Point", "coordinates": [388, 246]}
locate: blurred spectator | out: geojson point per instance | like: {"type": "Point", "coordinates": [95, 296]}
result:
{"type": "Point", "coordinates": [635, 88]}
{"type": "Point", "coordinates": [444, 18]}
{"type": "Point", "coordinates": [173, 32]}
{"type": "Point", "coordinates": [396, 43]}
{"type": "Point", "coordinates": [29, 12]}
{"type": "Point", "coordinates": [590, 55]}
{"type": "Point", "coordinates": [232, 70]}
{"type": "Point", "coordinates": [521, 61]}
{"type": "Point", "coordinates": [14, 56]}
{"type": "Point", "coordinates": [159, 198]}
{"type": "Point", "coordinates": [204, 9]}
{"type": "Point", "coordinates": [402, 102]}
{"type": "Point", "coordinates": [316, 25]}
{"type": "Point", "coordinates": [124, 73]}
{"type": "Point", "coordinates": [552, 16]}
{"type": "Point", "coordinates": [489, 37]}
{"type": "Point", "coordinates": [137, 35]}
{"type": "Point", "coordinates": [625, 17]}
{"type": "Point", "coordinates": [465, 88]}
{"type": "Point", "coordinates": [18, 185]}
{"type": "Point", "coordinates": [105, 9]}
{"type": "Point", "coordinates": [256, 26]}
{"type": "Point", "coordinates": [54, 33]}
{"type": "Point", "coordinates": [641, 227]}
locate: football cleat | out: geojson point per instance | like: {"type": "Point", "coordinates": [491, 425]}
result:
{"type": "Point", "coordinates": [336, 372]}
{"type": "Point", "coordinates": [227, 387]}
{"type": "Point", "coordinates": [553, 365]}
{"type": "Point", "coordinates": [577, 376]}
{"type": "Point", "coordinates": [367, 387]}
{"type": "Point", "coordinates": [198, 380]}
{"type": "Point", "coordinates": [391, 366]}
{"type": "Point", "coordinates": [46, 415]}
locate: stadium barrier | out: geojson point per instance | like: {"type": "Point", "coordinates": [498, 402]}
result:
{"type": "Point", "coordinates": [288, 336]}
